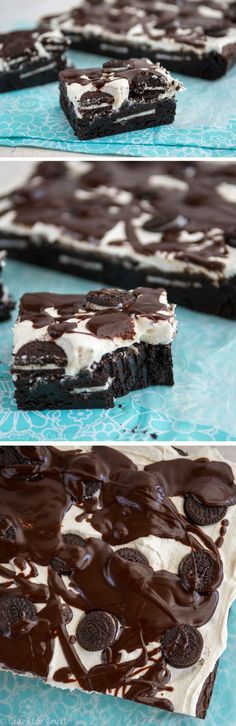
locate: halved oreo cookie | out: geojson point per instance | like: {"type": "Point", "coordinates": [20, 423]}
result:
{"type": "Point", "coordinates": [57, 563]}
{"type": "Point", "coordinates": [112, 298]}
{"type": "Point", "coordinates": [132, 555]}
{"type": "Point", "coordinates": [90, 487]}
{"type": "Point", "coordinates": [182, 646]}
{"type": "Point", "coordinates": [13, 610]}
{"type": "Point", "coordinates": [96, 630]}
{"type": "Point", "coordinates": [198, 513]}
{"type": "Point", "coordinates": [198, 571]}
{"type": "Point", "coordinates": [7, 529]}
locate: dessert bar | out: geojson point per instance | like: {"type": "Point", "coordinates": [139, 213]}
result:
{"type": "Point", "coordinates": [164, 224]}
{"type": "Point", "coordinates": [82, 351]}
{"type": "Point", "coordinates": [6, 303]}
{"type": "Point", "coordinates": [31, 58]}
{"type": "Point", "coordinates": [117, 575]}
{"type": "Point", "coordinates": [189, 37]}
{"type": "Point", "coordinates": [120, 96]}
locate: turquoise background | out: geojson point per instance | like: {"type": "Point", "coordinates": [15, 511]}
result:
{"type": "Point", "coordinates": [27, 702]}
{"type": "Point", "coordinates": [205, 123]}
{"type": "Point", "coordinates": [199, 407]}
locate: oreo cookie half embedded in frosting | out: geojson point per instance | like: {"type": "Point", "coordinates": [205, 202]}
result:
{"type": "Point", "coordinates": [13, 610]}
{"type": "Point", "coordinates": [182, 646]}
{"type": "Point", "coordinates": [57, 563]}
{"type": "Point", "coordinates": [198, 513]}
{"type": "Point", "coordinates": [198, 571]}
{"type": "Point", "coordinates": [132, 555]}
{"type": "Point", "coordinates": [96, 630]}
{"type": "Point", "coordinates": [7, 529]}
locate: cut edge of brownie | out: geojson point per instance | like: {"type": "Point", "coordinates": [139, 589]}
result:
{"type": "Point", "coordinates": [209, 298]}
{"type": "Point", "coordinates": [127, 369]}
{"type": "Point", "coordinates": [206, 694]}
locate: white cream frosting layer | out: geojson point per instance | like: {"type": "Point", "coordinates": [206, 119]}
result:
{"type": "Point", "coordinates": [164, 554]}
{"type": "Point", "coordinates": [163, 262]}
{"type": "Point", "coordinates": [83, 349]}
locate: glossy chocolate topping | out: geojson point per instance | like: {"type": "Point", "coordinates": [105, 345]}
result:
{"type": "Point", "coordinates": [114, 317]}
{"type": "Point", "coordinates": [135, 605]}
{"type": "Point", "coordinates": [182, 21]}
{"type": "Point", "coordinates": [87, 206]}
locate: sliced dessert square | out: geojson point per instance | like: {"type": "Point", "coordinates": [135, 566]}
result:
{"type": "Point", "coordinates": [120, 96]}
{"type": "Point", "coordinates": [83, 351]}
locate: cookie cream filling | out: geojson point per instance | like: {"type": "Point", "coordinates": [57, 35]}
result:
{"type": "Point", "coordinates": [165, 554]}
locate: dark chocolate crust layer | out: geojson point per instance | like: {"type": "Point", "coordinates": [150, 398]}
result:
{"type": "Point", "coordinates": [121, 602]}
{"type": "Point", "coordinates": [6, 308]}
{"type": "Point", "coordinates": [11, 81]}
{"type": "Point", "coordinates": [206, 694]}
{"type": "Point", "coordinates": [130, 370]}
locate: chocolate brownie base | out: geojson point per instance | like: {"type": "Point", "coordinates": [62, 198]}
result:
{"type": "Point", "coordinates": [206, 694]}
{"type": "Point", "coordinates": [6, 309]}
{"type": "Point", "coordinates": [205, 297]}
{"type": "Point", "coordinates": [210, 66]}
{"type": "Point", "coordinates": [129, 370]}
{"type": "Point", "coordinates": [13, 81]}
{"type": "Point", "coordinates": [143, 116]}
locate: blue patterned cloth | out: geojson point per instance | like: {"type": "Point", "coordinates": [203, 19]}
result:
{"type": "Point", "coordinates": [205, 123]}
{"type": "Point", "coordinates": [199, 407]}
{"type": "Point", "coordinates": [27, 702]}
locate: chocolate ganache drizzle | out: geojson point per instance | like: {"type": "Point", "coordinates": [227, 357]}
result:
{"type": "Point", "coordinates": [126, 605]}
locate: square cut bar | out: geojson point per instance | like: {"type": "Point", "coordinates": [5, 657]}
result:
{"type": "Point", "coordinates": [156, 224]}
{"type": "Point", "coordinates": [117, 570]}
{"type": "Point", "coordinates": [196, 38]}
{"type": "Point", "coordinates": [31, 58]}
{"type": "Point", "coordinates": [82, 351]}
{"type": "Point", "coordinates": [120, 96]}
{"type": "Point", "coordinates": [6, 302]}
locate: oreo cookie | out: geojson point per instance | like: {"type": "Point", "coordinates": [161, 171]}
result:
{"type": "Point", "coordinates": [11, 455]}
{"type": "Point", "coordinates": [198, 513]}
{"type": "Point", "coordinates": [132, 555]}
{"type": "Point", "coordinates": [14, 609]}
{"type": "Point", "coordinates": [107, 298]}
{"type": "Point", "coordinates": [182, 646]}
{"type": "Point", "coordinates": [90, 487]}
{"type": "Point", "coordinates": [92, 101]}
{"type": "Point", "coordinates": [57, 563]}
{"type": "Point", "coordinates": [7, 529]}
{"type": "Point", "coordinates": [147, 81]}
{"type": "Point", "coordinates": [198, 571]}
{"type": "Point", "coordinates": [96, 630]}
